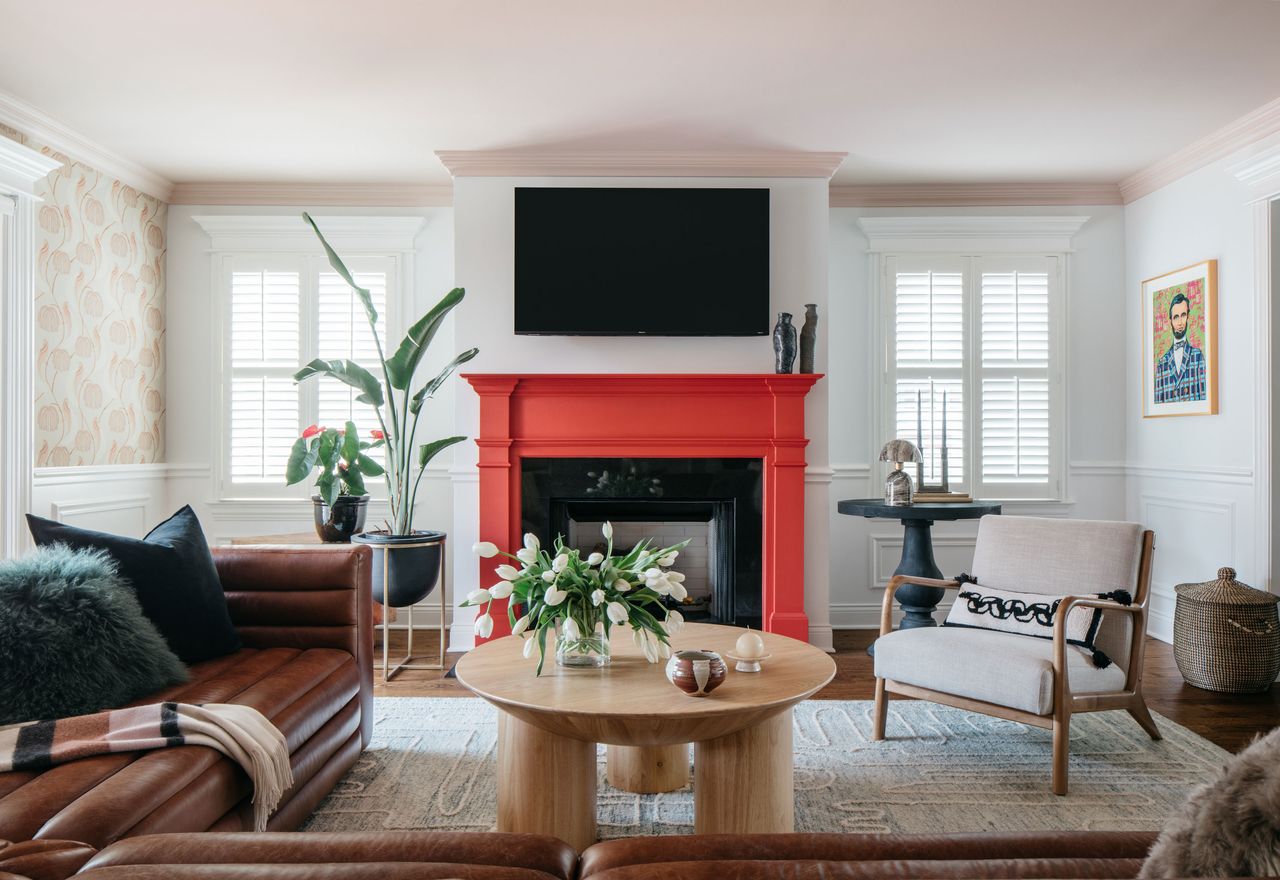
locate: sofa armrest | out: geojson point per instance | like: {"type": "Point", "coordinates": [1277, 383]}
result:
{"type": "Point", "coordinates": [304, 597]}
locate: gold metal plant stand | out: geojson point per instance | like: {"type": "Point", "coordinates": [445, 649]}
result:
{"type": "Point", "coordinates": [388, 671]}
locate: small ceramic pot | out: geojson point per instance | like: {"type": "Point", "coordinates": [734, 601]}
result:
{"type": "Point", "coordinates": [697, 673]}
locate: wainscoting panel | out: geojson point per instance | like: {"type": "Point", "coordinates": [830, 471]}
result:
{"type": "Point", "coordinates": [118, 514]}
{"type": "Point", "coordinates": [953, 553]}
{"type": "Point", "coordinates": [123, 499]}
{"type": "Point", "coordinates": [1194, 538]}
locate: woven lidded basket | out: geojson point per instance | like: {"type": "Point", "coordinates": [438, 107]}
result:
{"type": "Point", "coordinates": [1226, 635]}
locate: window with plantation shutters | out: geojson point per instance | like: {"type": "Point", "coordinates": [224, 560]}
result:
{"type": "Point", "coordinates": [971, 343]}
{"type": "Point", "coordinates": [282, 313]}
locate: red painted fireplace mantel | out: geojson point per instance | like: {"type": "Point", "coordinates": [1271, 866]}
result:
{"type": "Point", "coordinates": [634, 415]}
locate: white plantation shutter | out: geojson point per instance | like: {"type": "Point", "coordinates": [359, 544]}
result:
{"type": "Point", "coordinates": [1014, 371]}
{"type": "Point", "coordinates": [284, 312]}
{"type": "Point", "coordinates": [979, 332]}
{"type": "Point", "coordinates": [928, 360]}
{"type": "Point", "coordinates": [266, 310]}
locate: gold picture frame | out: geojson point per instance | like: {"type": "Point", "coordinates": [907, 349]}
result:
{"type": "Point", "coordinates": [1179, 329]}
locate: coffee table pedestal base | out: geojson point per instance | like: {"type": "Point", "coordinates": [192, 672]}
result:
{"type": "Point", "coordinates": [546, 783]}
{"type": "Point", "coordinates": [744, 783]}
{"type": "Point", "coordinates": [648, 769]}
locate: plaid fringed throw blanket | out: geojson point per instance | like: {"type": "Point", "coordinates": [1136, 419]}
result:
{"type": "Point", "coordinates": [241, 733]}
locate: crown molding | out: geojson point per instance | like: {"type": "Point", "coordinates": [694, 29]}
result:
{"type": "Point", "coordinates": [21, 166]}
{"type": "Point", "coordinates": [1236, 135]}
{"type": "Point", "coordinates": [967, 234]}
{"type": "Point", "coordinates": [261, 232]}
{"type": "Point", "coordinates": [51, 133]}
{"type": "Point", "coordinates": [352, 195]}
{"type": "Point", "coordinates": [965, 195]}
{"type": "Point", "coordinates": [643, 163]}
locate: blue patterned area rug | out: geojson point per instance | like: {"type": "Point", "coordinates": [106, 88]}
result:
{"type": "Point", "coordinates": [431, 766]}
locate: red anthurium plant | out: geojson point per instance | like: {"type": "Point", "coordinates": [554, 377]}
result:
{"type": "Point", "coordinates": [395, 400]}
{"type": "Point", "coordinates": [338, 457]}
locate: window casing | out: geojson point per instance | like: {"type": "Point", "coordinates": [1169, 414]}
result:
{"type": "Point", "coordinates": [280, 311]}
{"type": "Point", "coordinates": [983, 332]}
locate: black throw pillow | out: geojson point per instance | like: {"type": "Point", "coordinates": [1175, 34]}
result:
{"type": "Point", "coordinates": [172, 574]}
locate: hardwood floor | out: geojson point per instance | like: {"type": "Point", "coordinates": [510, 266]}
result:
{"type": "Point", "coordinates": [1230, 720]}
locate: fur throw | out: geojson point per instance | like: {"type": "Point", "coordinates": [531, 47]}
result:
{"type": "Point", "coordinates": [1229, 827]}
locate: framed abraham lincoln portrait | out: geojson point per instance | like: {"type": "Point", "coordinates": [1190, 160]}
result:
{"type": "Point", "coordinates": [1180, 342]}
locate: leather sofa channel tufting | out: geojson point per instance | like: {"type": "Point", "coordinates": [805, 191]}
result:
{"type": "Point", "coordinates": [304, 616]}
{"type": "Point", "coordinates": [419, 855]}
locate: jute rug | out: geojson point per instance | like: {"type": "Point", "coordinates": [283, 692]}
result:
{"type": "Point", "coordinates": [431, 766]}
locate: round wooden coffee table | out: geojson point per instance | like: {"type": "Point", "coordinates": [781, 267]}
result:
{"type": "Point", "coordinates": [548, 728]}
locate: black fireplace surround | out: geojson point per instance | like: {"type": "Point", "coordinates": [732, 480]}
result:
{"type": "Point", "coordinates": [725, 492]}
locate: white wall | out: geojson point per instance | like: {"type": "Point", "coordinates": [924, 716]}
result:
{"type": "Point", "coordinates": [193, 393]}
{"type": "Point", "coordinates": [864, 553]}
{"type": "Point", "coordinates": [484, 226]}
{"type": "Point", "coordinates": [1192, 479]}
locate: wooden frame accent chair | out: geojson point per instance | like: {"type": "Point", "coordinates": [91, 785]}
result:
{"type": "Point", "coordinates": [1024, 678]}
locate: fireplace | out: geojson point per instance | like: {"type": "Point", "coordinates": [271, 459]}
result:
{"type": "Point", "coordinates": [709, 502]}
{"type": "Point", "coordinates": [727, 450]}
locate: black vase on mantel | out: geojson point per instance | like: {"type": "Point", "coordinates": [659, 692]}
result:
{"type": "Point", "coordinates": [784, 343]}
{"type": "Point", "coordinates": [808, 337]}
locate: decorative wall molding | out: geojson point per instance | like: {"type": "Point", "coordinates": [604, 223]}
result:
{"type": "Point", "coordinates": [639, 163]}
{"type": "Point", "coordinates": [970, 234]}
{"type": "Point", "coordinates": [248, 232]}
{"type": "Point", "coordinates": [1098, 469]}
{"type": "Point", "coordinates": [878, 578]}
{"type": "Point", "coordinates": [116, 504]}
{"type": "Point", "coordinates": [1261, 169]}
{"type": "Point", "coordinates": [1248, 129]}
{"type": "Point", "coordinates": [20, 169]}
{"type": "Point", "coordinates": [104, 473]}
{"type": "Point", "coordinates": [964, 195]}
{"type": "Point", "coordinates": [51, 133]}
{"type": "Point", "coordinates": [357, 195]}
{"type": "Point", "coordinates": [1263, 387]}
{"type": "Point", "coordinates": [1238, 476]}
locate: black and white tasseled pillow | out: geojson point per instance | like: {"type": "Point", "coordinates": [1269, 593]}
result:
{"type": "Point", "coordinates": [1029, 614]}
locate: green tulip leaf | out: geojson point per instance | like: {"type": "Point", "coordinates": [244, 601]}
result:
{"type": "Point", "coordinates": [341, 268]}
{"type": "Point", "coordinates": [347, 372]}
{"type": "Point", "coordinates": [404, 363]}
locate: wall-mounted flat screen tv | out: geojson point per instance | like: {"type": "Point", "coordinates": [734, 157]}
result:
{"type": "Point", "coordinates": [636, 261]}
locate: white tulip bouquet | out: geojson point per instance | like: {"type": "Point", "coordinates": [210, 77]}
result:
{"type": "Point", "coordinates": [582, 599]}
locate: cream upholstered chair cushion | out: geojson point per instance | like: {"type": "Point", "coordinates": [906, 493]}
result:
{"type": "Point", "coordinates": [1029, 555]}
{"type": "Point", "coordinates": [1001, 668]}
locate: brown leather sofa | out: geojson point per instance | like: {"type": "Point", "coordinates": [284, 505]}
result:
{"type": "Point", "coordinates": [304, 616]}
{"type": "Point", "coordinates": [496, 856]}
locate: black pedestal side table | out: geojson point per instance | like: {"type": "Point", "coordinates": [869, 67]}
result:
{"type": "Point", "coordinates": [917, 602]}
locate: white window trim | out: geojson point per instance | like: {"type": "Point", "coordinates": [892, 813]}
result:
{"type": "Point", "coordinates": [20, 169]}
{"type": "Point", "coordinates": [236, 236]}
{"type": "Point", "coordinates": [971, 237]}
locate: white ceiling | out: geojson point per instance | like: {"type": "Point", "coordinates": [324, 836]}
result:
{"type": "Point", "coordinates": [917, 91]}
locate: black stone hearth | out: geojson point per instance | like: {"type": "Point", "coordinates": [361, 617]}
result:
{"type": "Point", "coordinates": [725, 492]}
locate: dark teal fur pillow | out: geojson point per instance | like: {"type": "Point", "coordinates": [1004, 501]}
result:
{"type": "Point", "coordinates": [73, 638]}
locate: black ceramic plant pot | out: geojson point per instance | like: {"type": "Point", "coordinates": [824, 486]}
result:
{"type": "Point", "coordinates": [336, 525]}
{"type": "Point", "coordinates": [413, 567]}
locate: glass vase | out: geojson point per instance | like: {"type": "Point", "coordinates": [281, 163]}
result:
{"type": "Point", "coordinates": [591, 649]}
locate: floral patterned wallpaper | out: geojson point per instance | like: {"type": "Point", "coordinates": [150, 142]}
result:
{"type": "Point", "coordinates": [99, 335]}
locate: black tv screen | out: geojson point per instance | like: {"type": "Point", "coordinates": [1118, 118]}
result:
{"type": "Point", "coordinates": [657, 262]}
